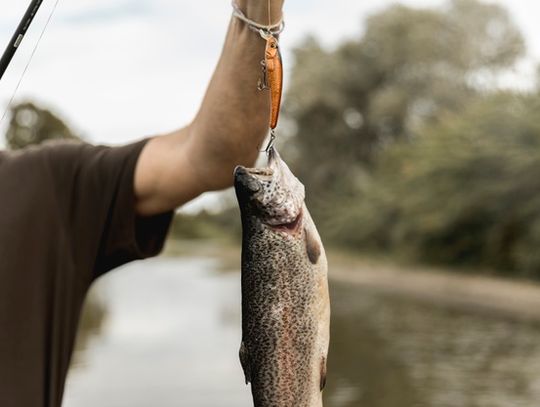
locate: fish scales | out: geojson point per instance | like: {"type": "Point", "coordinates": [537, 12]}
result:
{"type": "Point", "coordinates": [285, 303]}
{"type": "Point", "coordinates": [277, 297]}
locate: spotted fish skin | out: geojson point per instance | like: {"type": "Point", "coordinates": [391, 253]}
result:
{"type": "Point", "coordinates": [285, 301]}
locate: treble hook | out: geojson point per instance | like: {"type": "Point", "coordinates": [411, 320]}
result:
{"type": "Point", "coordinates": [263, 81]}
{"type": "Point", "coordinates": [270, 142]}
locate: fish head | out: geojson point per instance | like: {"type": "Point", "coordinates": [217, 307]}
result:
{"type": "Point", "coordinates": [272, 48]}
{"type": "Point", "coordinates": [272, 194]}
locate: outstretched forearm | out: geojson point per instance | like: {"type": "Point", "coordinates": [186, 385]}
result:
{"type": "Point", "coordinates": [227, 131]}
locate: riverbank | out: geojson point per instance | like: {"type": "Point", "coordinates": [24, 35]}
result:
{"type": "Point", "coordinates": [493, 296]}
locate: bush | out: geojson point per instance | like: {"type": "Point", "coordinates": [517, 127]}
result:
{"type": "Point", "coordinates": [463, 191]}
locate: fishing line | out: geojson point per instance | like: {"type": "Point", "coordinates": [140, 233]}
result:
{"type": "Point", "coordinates": [29, 61]}
{"type": "Point", "coordinates": [269, 14]}
{"type": "Point", "coordinates": [262, 29]}
{"type": "Point", "coordinates": [18, 35]}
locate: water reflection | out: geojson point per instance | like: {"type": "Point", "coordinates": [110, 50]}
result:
{"type": "Point", "coordinates": [169, 339]}
{"type": "Point", "coordinates": [362, 369]}
{"type": "Point", "coordinates": [172, 329]}
{"type": "Point", "coordinates": [401, 353]}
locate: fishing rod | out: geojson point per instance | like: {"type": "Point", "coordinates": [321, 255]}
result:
{"type": "Point", "coordinates": [18, 36]}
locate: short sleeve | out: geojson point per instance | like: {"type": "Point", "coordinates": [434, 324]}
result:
{"type": "Point", "coordinates": [95, 192]}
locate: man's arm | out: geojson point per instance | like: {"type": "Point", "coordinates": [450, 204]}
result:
{"type": "Point", "coordinates": [227, 131]}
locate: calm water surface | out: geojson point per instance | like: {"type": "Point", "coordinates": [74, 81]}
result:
{"type": "Point", "coordinates": [168, 333]}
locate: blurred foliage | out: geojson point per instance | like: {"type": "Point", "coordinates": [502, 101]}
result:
{"type": "Point", "coordinates": [223, 225]}
{"type": "Point", "coordinates": [464, 191]}
{"type": "Point", "coordinates": [93, 319]}
{"type": "Point", "coordinates": [32, 125]}
{"type": "Point", "coordinates": [410, 67]}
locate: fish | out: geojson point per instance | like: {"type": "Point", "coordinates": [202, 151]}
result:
{"type": "Point", "coordinates": [273, 77]}
{"type": "Point", "coordinates": [284, 279]}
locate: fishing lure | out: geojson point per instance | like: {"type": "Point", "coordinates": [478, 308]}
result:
{"type": "Point", "coordinates": [272, 79]}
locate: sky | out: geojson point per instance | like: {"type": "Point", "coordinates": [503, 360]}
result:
{"type": "Point", "coordinates": [120, 70]}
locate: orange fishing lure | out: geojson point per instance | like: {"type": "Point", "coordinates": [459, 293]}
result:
{"type": "Point", "coordinates": [273, 77]}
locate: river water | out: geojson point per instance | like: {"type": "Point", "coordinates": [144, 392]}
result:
{"type": "Point", "coordinates": [169, 330]}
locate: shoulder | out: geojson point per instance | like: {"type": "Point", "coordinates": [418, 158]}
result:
{"type": "Point", "coordinates": [66, 154]}
{"type": "Point", "coordinates": [39, 154]}
{"type": "Point", "coordinates": [70, 165]}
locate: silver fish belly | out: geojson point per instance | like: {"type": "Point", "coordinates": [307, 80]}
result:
{"type": "Point", "coordinates": [285, 300]}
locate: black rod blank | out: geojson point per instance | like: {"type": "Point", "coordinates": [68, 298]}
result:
{"type": "Point", "coordinates": [18, 36]}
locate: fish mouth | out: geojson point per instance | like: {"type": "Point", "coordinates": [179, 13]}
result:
{"type": "Point", "coordinates": [248, 176]}
{"type": "Point", "coordinates": [252, 178]}
{"type": "Point", "coordinates": [258, 172]}
{"type": "Point", "coordinates": [272, 194]}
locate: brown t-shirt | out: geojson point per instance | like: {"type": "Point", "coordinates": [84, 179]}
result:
{"type": "Point", "coordinates": [67, 215]}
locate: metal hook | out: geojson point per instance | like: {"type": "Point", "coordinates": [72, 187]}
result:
{"type": "Point", "coordinates": [270, 142]}
{"type": "Point", "coordinates": [262, 84]}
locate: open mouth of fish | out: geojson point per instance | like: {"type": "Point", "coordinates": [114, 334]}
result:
{"type": "Point", "coordinates": [274, 191]}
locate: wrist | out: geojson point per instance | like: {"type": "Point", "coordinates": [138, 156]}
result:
{"type": "Point", "coordinates": [257, 10]}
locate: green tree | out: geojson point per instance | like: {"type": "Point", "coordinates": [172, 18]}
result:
{"type": "Point", "coordinates": [31, 125]}
{"type": "Point", "coordinates": [465, 191]}
{"type": "Point", "coordinates": [410, 68]}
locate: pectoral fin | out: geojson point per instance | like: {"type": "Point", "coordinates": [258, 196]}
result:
{"type": "Point", "coordinates": [313, 247]}
{"type": "Point", "coordinates": [244, 361]}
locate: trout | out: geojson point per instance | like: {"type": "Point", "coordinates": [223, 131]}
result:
{"type": "Point", "coordinates": [285, 300]}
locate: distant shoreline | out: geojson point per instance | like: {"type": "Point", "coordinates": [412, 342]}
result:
{"type": "Point", "coordinates": [490, 295]}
